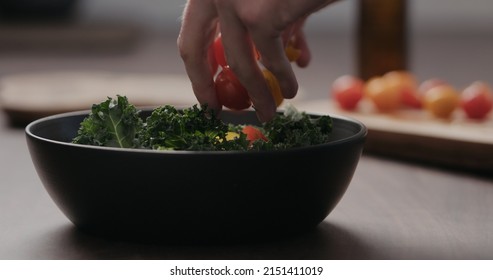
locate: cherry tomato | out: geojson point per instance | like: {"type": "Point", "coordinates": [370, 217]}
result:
{"type": "Point", "coordinates": [384, 97]}
{"type": "Point", "coordinates": [255, 52]}
{"type": "Point", "coordinates": [404, 83]}
{"type": "Point", "coordinates": [219, 52]}
{"type": "Point", "coordinates": [230, 92]}
{"type": "Point", "coordinates": [221, 56]}
{"type": "Point", "coordinates": [430, 83]}
{"type": "Point", "coordinates": [211, 56]}
{"type": "Point", "coordinates": [347, 90]}
{"type": "Point", "coordinates": [441, 101]}
{"type": "Point", "coordinates": [477, 100]}
{"type": "Point", "coordinates": [253, 134]}
{"type": "Point", "coordinates": [274, 87]}
{"type": "Point", "coordinates": [292, 53]}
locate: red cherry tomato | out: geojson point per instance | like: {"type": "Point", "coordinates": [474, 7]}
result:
{"type": "Point", "coordinates": [230, 92]}
{"type": "Point", "coordinates": [211, 56]}
{"type": "Point", "coordinates": [477, 100]}
{"type": "Point", "coordinates": [253, 133]}
{"type": "Point", "coordinates": [219, 52]}
{"type": "Point", "coordinates": [221, 56]}
{"type": "Point", "coordinates": [347, 90]}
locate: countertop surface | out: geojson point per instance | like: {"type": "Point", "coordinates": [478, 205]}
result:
{"type": "Point", "coordinates": [392, 209]}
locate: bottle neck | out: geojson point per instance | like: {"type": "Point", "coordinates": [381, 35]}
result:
{"type": "Point", "coordinates": [381, 37]}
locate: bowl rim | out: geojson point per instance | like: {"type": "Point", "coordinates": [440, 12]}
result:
{"type": "Point", "coordinates": [361, 134]}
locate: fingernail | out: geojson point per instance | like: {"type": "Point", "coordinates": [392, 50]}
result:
{"type": "Point", "coordinates": [289, 86]}
{"type": "Point", "coordinates": [265, 115]}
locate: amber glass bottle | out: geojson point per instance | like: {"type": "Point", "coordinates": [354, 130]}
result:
{"type": "Point", "coordinates": [381, 37]}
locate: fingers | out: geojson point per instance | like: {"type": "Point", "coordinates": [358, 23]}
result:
{"type": "Point", "coordinates": [270, 24]}
{"type": "Point", "coordinates": [281, 20]}
{"type": "Point", "coordinates": [271, 50]}
{"type": "Point", "coordinates": [196, 35]}
{"type": "Point", "coordinates": [299, 42]}
{"type": "Point", "coordinates": [241, 59]}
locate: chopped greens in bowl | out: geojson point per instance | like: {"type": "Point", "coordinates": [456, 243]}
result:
{"type": "Point", "coordinates": [117, 123]}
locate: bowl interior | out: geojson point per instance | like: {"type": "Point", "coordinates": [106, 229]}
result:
{"type": "Point", "coordinates": [63, 127]}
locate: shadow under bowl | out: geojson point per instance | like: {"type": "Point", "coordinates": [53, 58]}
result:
{"type": "Point", "coordinates": [193, 197]}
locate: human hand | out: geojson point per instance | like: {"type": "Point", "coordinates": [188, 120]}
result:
{"type": "Point", "coordinates": [267, 24]}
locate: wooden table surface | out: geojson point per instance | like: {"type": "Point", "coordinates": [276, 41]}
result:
{"type": "Point", "coordinates": [392, 209]}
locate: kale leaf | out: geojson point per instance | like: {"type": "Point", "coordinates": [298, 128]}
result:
{"type": "Point", "coordinates": [192, 128]}
{"type": "Point", "coordinates": [294, 129]}
{"type": "Point", "coordinates": [112, 123]}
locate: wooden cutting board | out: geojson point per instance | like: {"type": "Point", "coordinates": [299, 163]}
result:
{"type": "Point", "coordinates": [413, 134]}
{"type": "Point", "coordinates": [28, 96]}
{"type": "Point", "coordinates": [74, 37]}
{"type": "Point", "coordinates": [25, 97]}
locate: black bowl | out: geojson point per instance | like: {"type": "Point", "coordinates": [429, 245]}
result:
{"type": "Point", "coordinates": [183, 196]}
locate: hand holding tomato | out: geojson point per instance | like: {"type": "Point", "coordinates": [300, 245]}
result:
{"type": "Point", "coordinates": [227, 83]}
{"type": "Point", "coordinates": [268, 25]}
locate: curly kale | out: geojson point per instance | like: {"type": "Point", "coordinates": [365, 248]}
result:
{"type": "Point", "coordinates": [116, 123]}
{"type": "Point", "coordinates": [192, 128]}
{"type": "Point", "coordinates": [294, 129]}
{"type": "Point", "coordinates": [112, 123]}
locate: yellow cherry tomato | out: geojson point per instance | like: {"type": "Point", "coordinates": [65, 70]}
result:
{"type": "Point", "coordinates": [406, 85]}
{"type": "Point", "coordinates": [292, 53]}
{"type": "Point", "coordinates": [382, 94]}
{"type": "Point", "coordinates": [441, 101]}
{"type": "Point", "coordinates": [274, 87]}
